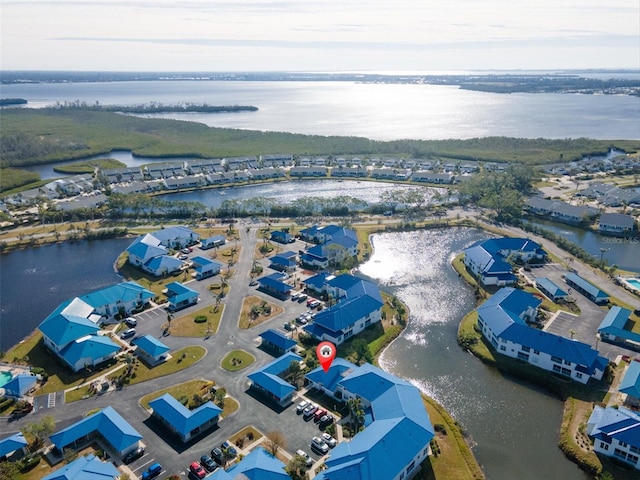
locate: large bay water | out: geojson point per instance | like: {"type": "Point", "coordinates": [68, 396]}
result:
{"type": "Point", "coordinates": [376, 111]}
{"type": "Point", "coordinates": [514, 425]}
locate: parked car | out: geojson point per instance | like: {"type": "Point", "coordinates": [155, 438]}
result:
{"type": "Point", "coordinates": [309, 410]}
{"type": "Point", "coordinates": [301, 406]}
{"type": "Point", "coordinates": [131, 322]}
{"type": "Point", "coordinates": [325, 420]}
{"type": "Point", "coordinates": [289, 326]}
{"type": "Point", "coordinates": [207, 462]}
{"type": "Point", "coordinates": [308, 460]}
{"type": "Point", "coordinates": [302, 320]}
{"type": "Point", "coordinates": [152, 472]}
{"type": "Point", "coordinates": [217, 455]}
{"type": "Point", "coordinates": [133, 455]}
{"type": "Point", "coordinates": [315, 304]}
{"type": "Point", "coordinates": [318, 414]}
{"type": "Point", "coordinates": [186, 250]}
{"type": "Point", "coordinates": [197, 470]}
{"type": "Point", "coordinates": [183, 257]}
{"type": "Point", "coordinates": [128, 333]}
{"type": "Point", "coordinates": [295, 296]}
{"type": "Point", "coordinates": [229, 449]}
{"type": "Point", "coordinates": [318, 445]}
{"type": "Point", "coordinates": [302, 297]}
{"type": "Point", "coordinates": [329, 440]}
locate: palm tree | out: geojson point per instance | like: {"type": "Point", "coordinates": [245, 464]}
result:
{"type": "Point", "coordinates": [356, 414]}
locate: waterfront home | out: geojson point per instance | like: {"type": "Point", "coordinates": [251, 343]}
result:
{"type": "Point", "coordinates": [107, 424]}
{"type": "Point", "coordinates": [398, 430]}
{"type": "Point", "coordinates": [240, 163]}
{"type": "Point", "coordinates": [210, 165]}
{"type": "Point", "coordinates": [431, 177]}
{"type": "Point", "coordinates": [205, 267]}
{"type": "Point", "coordinates": [284, 262]}
{"type": "Point", "coordinates": [87, 466]}
{"type": "Point", "coordinates": [185, 182]}
{"type": "Point", "coordinates": [163, 265]}
{"type": "Point", "coordinates": [268, 380]}
{"type": "Point", "coordinates": [550, 289]}
{"type": "Point", "coordinates": [277, 342]}
{"type": "Point", "coordinates": [573, 214]}
{"type": "Point", "coordinates": [176, 237]}
{"type": "Point", "coordinates": [540, 206]}
{"type": "Point", "coordinates": [182, 422]}
{"type": "Point", "coordinates": [180, 296]}
{"type": "Point", "coordinates": [257, 465]}
{"type": "Point", "coordinates": [14, 444]}
{"type": "Point", "coordinates": [308, 172]}
{"type": "Point", "coordinates": [503, 320]}
{"type": "Point", "coordinates": [616, 224]}
{"type": "Point", "coordinates": [359, 305]}
{"type": "Point", "coordinates": [86, 201]}
{"type": "Point", "coordinates": [214, 241]}
{"type": "Point", "coordinates": [612, 329]}
{"type": "Point", "coordinates": [72, 333]}
{"type": "Point", "coordinates": [389, 173]}
{"type": "Point", "coordinates": [353, 172]}
{"type": "Point", "coordinates": [586, 288]}
{"type": "Point", "coordinates": [119, 175]}
{"type": "Point", "coordinates": [274, 285]}
{"type": "Point", "coordinates": [487, 259]}
{"type": "Point", "coordinates": [276, 160]}
{"type": "Point", "coordinates": [336, 244]}
{"type": "Point", "coordinates": [266, 173]}
{"type": "Point", "coordinates": [630, 384]}
{"type": "Point", "coordinates": [150, 349]}
{"type": "Point", "coordinates": [73, 185]}
{"type": "Point", "coordinates": [150, 252]}
{"type": "Point", "coordinates": [118, 301]}
{"type": "Point", "coordinates": [616, 434]}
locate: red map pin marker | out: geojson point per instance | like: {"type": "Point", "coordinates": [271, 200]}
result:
{"type": "Point", "coordinates": [326, 352]}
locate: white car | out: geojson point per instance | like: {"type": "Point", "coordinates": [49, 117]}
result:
{"type": "Point", "coordinates": [301, 406]}
{"type": "Point", "coordinates": [329, 440]}
{"type": "Point", "coordinates": [318, 445]}
{"type": "Point", "coordinates": [308, 460]}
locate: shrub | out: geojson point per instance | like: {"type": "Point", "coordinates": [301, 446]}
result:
{"type": "Point", "coordinates": [30, 463]}
{"type": "Point", "coordinates": [440, 428]}
{"type": "Point", "coordinates": [200, 319]}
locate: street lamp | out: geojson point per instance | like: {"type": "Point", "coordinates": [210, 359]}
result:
{"type": "Point", "coordinates": [602, 252]}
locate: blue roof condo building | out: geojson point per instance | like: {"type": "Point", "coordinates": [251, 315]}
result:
{"type": "Point", "coordinates": [274, 285]}
{"type": "Point", "coordinates": [281, 237]}
{"type": "Point", "coordinates": [115, 302]}
{"type": "Point", "coordinates": [180, 296]}
{"type": "Point", "coordinates": [211, 242]}
{"type": "Point", "coordinates": [277, 342]}
{"type": "Point", "coordinates": [395, 440]}
{"type": "Point", "coordinates": [12, 444]}
{"type": "Point", "coordinates": [150, 252]}
{"type": "Point", "coordinates": [20, 385]}
{"type": "Point", "coordinates": [150, 349]}
{"type": "Point", "coordinates": [86, 467]}
{"type": "Point", "coordinates": [334, 245]}
{"type": "Point", "coordinates": [185, 423]}
{"type": "Point", "coordinates": [359, 306]}
{"type": "Point", "coordinates": [105, 423]}
{"type": "Point", "coordinates": [72, 333]}
{"type": "Point", "coordinates": [284, 262]}
{"type": "Point", "coordinates": [205, 268]}
{"type": "Point", "coordinates": [503, 320]}
{"type": "Point", "coordinates": [487, 259]}
{"type": "Point", "coordinates": [257, 465]}
{"type": "Point", "coordinates": [616, 434]}
{"type": "Point", "coordinates": [550, 289]}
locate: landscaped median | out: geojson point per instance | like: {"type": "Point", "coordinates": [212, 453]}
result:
{"type": "Point", "coordinates": [201, 323]}
{"type": "Point", "coordinates": [237, 360]}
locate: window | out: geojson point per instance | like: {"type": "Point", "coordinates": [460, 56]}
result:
{"type": "Point", "coordinates": [556, 368]}
{"type": "Point", "coordinates": [523, 356]}
{"type": "Point", "coordinates": [525, 349]}
{"type": "Point", "coordinates": [537, 352]}
{"type": "Point", "coordinates": [411, 466]}
{"type": "Point", "coordinates": [578, 375]}
{"type": "Point", "coordinates": [565, 371]}
{"type": "Point", "coordinates": [567, 362]}
{"type": "Point", "coordinates": [604, 446]}
{"type": "Point", "coordinates": [503, 348]}
{"type": "Point", "coordinates": [556, 359]}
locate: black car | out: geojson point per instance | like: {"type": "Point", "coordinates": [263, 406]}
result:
{"type": "Point", "coordinates": [217, 455]}
{"type": "Point", "coordinates": [207, 462]}
{"type": "Point", "coordinates": [133, 455]}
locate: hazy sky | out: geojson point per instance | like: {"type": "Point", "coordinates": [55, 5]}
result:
{"type": "Point", "coordinates": [318, 35]}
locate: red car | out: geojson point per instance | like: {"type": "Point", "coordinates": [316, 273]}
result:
{"type": "Point", "coordinates": [197, 470]}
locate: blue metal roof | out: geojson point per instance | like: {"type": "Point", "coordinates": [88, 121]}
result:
{"type": "Point", "coordinates": [553, 289]}
{"type": "Point", "coordinates": [339, 369]}
{"type": "Point", "coordinates": [93, 347]}
{"type": "Point", "coordinates": [281, 363]}
{"type": "Point", "coordinates": [399, 431]}
{"type": "Point", "coordinates": [585, 285]}
{"type": "Point", "coordinates": [278, 339]}
{"type": "Point", "coordinates": [317, 281]}
{"type": "Point", "coordinates": [615, 318]}
{"type": "Point", "coordinates": [630, 383]}
{"type": "Point", "coordinates": [179, 232]}
{"type": "Point", "coordinates": [274, 283]}
{"type": "Point", "coordinates": [68, 322]}
{"type": "Point", "coordinates": [283, 260]}
{"type": "Point", "coordinates": [19, 385]}
{"type": "Point", "coordinates": [216, 239]}
{"type": "Point", "coordinates": [488, 263]}
{"type": "Point", "coordinates": [271, 383]}
{"type": "Point", "coordinates": [12, 443]}
{"type": "Point", "coordinates": [171, 264]}
{"type": "Point", "coordinates": [495, 245]}
{"type": "Point", "coordinates": [505, 307]}
{"type": "Point", "coordinates": [180, 417]}
{"type": "Point", "coordinates": [619, 423]}
{"type": "Point", "coordinates": [88, 467]}
{"type": "Point", "coordinates": [205, 264]}
{"type": "Point", "coordinates": [279, 235]}
{"type": "Point", "coordinates": [354, 287]}
{"type": "Point", "coordinates": [151, 345]}
{"type": "Point", "coordinates": [259, 465]}
{"type": "Point", "coordinates": [115, 429]}
{"type": "Point", "coordinates": [345, 313]}
{"type": "Point", "coordinates": [146, 246]}
{"type": "Point", "coordinates": [123, 292]}
{"type": "Point", "coordinates": [179, 292]}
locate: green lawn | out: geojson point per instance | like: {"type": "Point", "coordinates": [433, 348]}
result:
{"type": "Point", "coordinates": [186, 325]}
{"type": "Point", "coordinates": [237, 360]}
{"type": "Point", "coordinates": [89, 166]}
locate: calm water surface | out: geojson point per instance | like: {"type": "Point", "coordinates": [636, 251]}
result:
{"type": "Point", "coordinates": [376, 111]}
{"type": "Point", "coordinates": [515, 425]}
{"type": "Point", "coordinates": [36, 280]}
